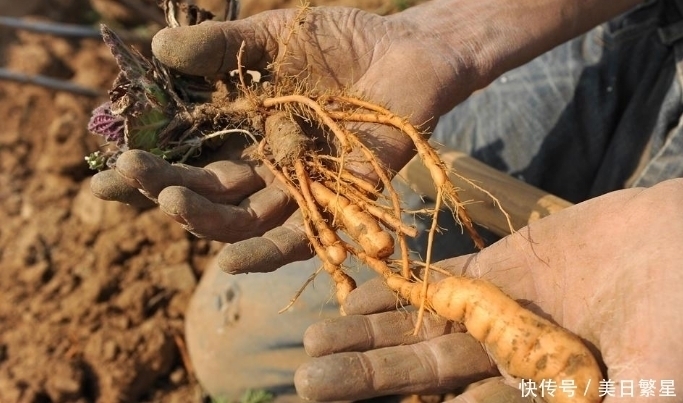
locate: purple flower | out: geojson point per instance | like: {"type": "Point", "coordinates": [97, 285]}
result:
{"type": "Point", "coordinates": [106, 124]}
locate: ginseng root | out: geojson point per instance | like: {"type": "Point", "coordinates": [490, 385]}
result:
{"type": "Point", "coordinates": [523, 344]}
{"type": "Point", "coordinates": [176, 117]}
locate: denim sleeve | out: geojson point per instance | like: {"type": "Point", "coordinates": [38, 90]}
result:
{"type": "Point", "coordinates": [596, 114]}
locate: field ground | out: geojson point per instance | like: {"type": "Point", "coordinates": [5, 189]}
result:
{"type": "Point", "coordinates": [92, 294]}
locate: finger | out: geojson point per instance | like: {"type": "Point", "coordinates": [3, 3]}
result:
{"type": "Point", "coordinates": [220, 182]}
{"type": "Point", "coordinates": [492, 390]}
{"type": "Point", "coordinates": [254, 216]}
{"type": "Point", "coordinates": [109, 185]}
{"type": "Point", "coordinates": [211, 49]}
{"type": "Point", "coordinates": [276, 248]}
{"type": "Point", "coordinates": [373, 296]}
{"type": "Point", "coordinates": [437, 366]}
{"type": "Point", "coordinates": [369, 332]}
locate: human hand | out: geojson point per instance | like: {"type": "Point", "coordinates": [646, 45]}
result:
{"type": "Point", "coordinates": [389, 61]}
{"type": "Point", "coordinates": [334, 49]}
{"type": "Point", "coordinates": [607, 270]}
{"type": "Point", "coordinates": [227, 201]}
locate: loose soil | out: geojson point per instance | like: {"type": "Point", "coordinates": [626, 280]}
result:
{"type": "Point", "coordinates": [92, 293]}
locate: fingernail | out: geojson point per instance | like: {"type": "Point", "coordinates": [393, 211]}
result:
{"type": "Point", "coordinates": [254, 255]}
{"type": "Point", "coordinates": [131, 165]}
{"type": "Point", "coordinates": [173, 214]}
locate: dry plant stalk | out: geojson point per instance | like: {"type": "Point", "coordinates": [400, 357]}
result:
{"type": "Point", "coordinates": [176, 116]}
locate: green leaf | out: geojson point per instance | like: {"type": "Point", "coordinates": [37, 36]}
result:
{"type": "Point", "coordinates": [142, 130]}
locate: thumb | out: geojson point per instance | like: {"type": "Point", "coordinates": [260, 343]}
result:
{"type": "Point", "coordinates": [211, 48]}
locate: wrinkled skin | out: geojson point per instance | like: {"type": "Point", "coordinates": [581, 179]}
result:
{"type": "Point", "coordinates": [608, 270]}
{"type": "Point", "coordinates": [381, 62]}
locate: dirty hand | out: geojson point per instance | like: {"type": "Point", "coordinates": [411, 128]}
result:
{"type": "Point", "coordinates": [608, 269]}
{"type": "Point", "coordinates": [333, 48]}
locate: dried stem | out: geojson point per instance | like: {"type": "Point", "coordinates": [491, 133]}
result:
{"type": "Point", "coordinates": [240, 73]}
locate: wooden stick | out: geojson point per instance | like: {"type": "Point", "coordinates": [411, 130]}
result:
{"type": "Point", "coordinates": [523, 202]}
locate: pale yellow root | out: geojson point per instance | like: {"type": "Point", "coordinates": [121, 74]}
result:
{"type": "Point", "coordinates": [328, 238]}
{"type": "Point", "coordinates": [360, 226]}
{"type": "Point", "coordinates": [428, 260]}
{"type": "Point", "coordinates": [523, 344]}
{"type": "Point", "coordinates": [296, 296]}
{"type": "Point", "coordinates": [344, 284]}
{"type": "Point", "coordinates": [429, 157]}
{"type": "Point", "coordinates": [376, 211]}
{"type": "Point", "coordinates": [379, 266]}
{"type": "Point", "coordinates": [446, 191]}
{"type": "Point", "coordinates": [366, 187]}
{"type": "Point", "coordinates": [393, 196]}
{"type": "Point", "coordinates": [347, 141]}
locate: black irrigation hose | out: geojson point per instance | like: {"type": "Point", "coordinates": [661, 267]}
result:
{"type": "Point", "coordinates": [59, 29]}
{"type": "Point", "coordinates": [62, 29]}
{"type": "Point", "coordinates": [48, 82]}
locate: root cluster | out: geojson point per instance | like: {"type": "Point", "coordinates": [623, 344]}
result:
{"type": "Point", "coordinates": [304, 138]}
{"type": "Point", "coordinates": [333, 201]}
{"type": "Point", "coordinates": [301, 135]}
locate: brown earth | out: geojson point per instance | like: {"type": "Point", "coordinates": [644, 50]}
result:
{"type": "Point", "coordinates": [92, 293]}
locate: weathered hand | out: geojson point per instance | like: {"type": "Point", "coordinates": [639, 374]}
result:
{"type": "Point", "coordinates": [367, 354]}
{"type": "Point", "coordinates": [607, 270]}
{"type": "Point", "coordinates": [387, 60]}
{"type": "Point", "coordinates": [228, 201]}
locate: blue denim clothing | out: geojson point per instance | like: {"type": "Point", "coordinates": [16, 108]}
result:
{"type": "Point", "coordinates": [599, 113]}
{"type": "Point", "coordinates": [576, 120]}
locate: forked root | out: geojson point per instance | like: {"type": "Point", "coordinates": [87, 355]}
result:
{"type": "Point", "coordinates": [523, 344]}
{"type": "Point", "coordinates": [332, 199]}
{"type": "Point", "coordinates": [344, 284]}
{"type": "Point", "coordinates": [427, 154]}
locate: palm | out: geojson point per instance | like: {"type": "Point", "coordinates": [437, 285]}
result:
{"type": "Point", "coordinates": [603, 269]}
{"type": "Point", "coordinates": [609, 275]}
{"type": "Point", "coordinates": [328, 53]}
{"type": "Point", "coordinates": [329, 50]}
